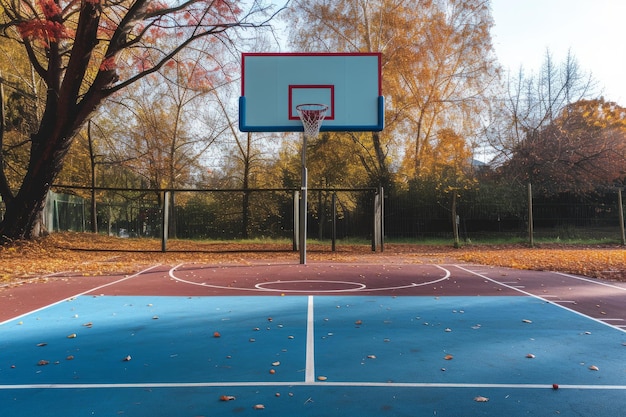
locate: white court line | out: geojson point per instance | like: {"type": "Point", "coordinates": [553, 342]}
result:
{"type": "Point", "coordinates": [300, 383]}
{"type": "Point", "coordinates": [82, 293]}
{"type": "Point", "coordinates": [539, 297]}
{"type": "Point", "coordinates": [359, 287]}
{"type": "Point", "coordinates": [309, 375]}
{"type": "Point", "coordinates": [591, 281]}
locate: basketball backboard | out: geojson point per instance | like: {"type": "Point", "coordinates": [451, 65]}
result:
{"type": "Point", "coordinates": [273, 84]}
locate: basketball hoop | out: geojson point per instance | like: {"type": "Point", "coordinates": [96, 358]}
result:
{"type": "Point", "coordinates": [312, 116]}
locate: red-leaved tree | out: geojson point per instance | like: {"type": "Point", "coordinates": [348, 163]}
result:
{"type": "Point", "coordinates": [86, 50]}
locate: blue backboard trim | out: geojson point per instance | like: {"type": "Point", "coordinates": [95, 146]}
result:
{"type": "Point", "coordinates": [299, 128]}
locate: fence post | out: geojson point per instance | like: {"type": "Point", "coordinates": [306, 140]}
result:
{"type": "Point", "coordinates": [296, 221]}
{"type": "Point", "coordinates": [334, 222]}
{"type": "Point", "coordinates": [379, 218]}
{"type": "Point", "coordinates": [620, 209]}
{"type": "Point", "coordinates": [165, 225]}
{"type": "Point", "coordinates": [531, 231]}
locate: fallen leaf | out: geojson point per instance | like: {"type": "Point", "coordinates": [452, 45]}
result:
{"type": "Point", "coordinates": [480, 399]}
{"type": "Point", "coordinates": [227, 398]}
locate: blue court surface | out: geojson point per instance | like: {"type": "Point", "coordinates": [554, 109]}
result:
{"type": "Point", "coordinates": [310, 356]}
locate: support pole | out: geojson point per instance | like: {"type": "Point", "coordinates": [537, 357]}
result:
{"type": "Point", "coordinates": [303, 204]}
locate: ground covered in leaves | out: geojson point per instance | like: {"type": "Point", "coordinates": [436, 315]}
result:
{"type": "Point", "coordinates": [89, 254]}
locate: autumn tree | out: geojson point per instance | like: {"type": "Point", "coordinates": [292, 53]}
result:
{"type": "Point", "coordinates": [438, 67]}
{"type": "Point", "coordinates": [582, 149]}
{"type": "Point", "coordinates": [85, 51]}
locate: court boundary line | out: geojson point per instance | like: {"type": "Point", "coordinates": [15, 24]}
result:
{"type": "Point", "coordinates": [79, 294]}
{"type": "Point", "coordinates": [590, 280]}
{"type": "Point", "coordinates": [314, 383]}
{"type": "Point", "coordinates": [538, 297]}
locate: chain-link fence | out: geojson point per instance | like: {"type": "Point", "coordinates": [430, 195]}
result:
{"type": "Point", "coordinates": [346, 213]}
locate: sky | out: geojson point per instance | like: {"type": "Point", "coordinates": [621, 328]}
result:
{"type": "Point", "coordinates": [593, 30]}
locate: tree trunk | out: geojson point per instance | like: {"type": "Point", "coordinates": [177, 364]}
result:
{"type": "Point", "coordinates": [23, 216]}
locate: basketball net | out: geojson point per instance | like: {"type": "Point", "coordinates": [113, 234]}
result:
{"type": "Point", "coordinates": [312, 116]}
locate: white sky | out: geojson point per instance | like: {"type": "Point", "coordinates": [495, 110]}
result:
{"type": "Point", "coordinates": [593, 30]}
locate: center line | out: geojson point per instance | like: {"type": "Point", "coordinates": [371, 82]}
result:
{"type": "Point", "coordinates": [309, 376]}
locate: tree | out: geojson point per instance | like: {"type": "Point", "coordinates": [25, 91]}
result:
{"type": "Point", "coordinates": [583, 149]}
{"type": "Point", "coordinates": [438, 66]}
{"type": "Point", "coordinates": [87, 51]}
{"type": "Point", "coordinates": [533, 101]}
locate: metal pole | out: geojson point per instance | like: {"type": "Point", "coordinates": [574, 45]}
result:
{"type": "Point", "coordinates": [165, 220]}
{"type": "Point", "coordinates": [620, 209]}
{"type": "Point", "coordinates": [303, 204]}
{"type": "Point", "coordinates": [296, 221]}
{"type": "Point", "coordinates": [531, 230]}
{"type": "Point", "coordinates": [334, 229]}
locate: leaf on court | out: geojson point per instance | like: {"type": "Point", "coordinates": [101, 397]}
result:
{"type": "Point", "coordinates": [227, 398]}
{"type": "Point", "coordinates": [448, 357]}
{"type": "Point", "coordinates": [371, 356]}
{"type": "Point", "coordinates": [530, 356]}
{"type": "Point", "coordinates": [527, 321]}
{"type": "Point", "coordinates": [71, 336]}
{"type": "Point", "coordinates": [277, 363]}
{"type": "Point", "coordinates": [481, 399]}
{"type": "Point", "coordinates": [322, 378]}
{"type": "Point", "coordinates": [259, 407]}
{"type": "Point", "coordinates": [358, 322]}
{"type": "Point", "coordinates": [42, 344]}
{"type": "Point", "coordinates": [43, 362]}
{"type": "Point", "coordinates": [127, 359]}
{"type": "Point", "coordinates": [90, 325]}
{"type": "Point", "coordinates": [217, 334]}
{"type": "Point", "coordinates": [594, 368]}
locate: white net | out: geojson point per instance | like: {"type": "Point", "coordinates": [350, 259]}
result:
{"type": "Point", "coordinates": [312, 116]}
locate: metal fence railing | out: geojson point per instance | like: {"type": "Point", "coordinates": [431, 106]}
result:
{"type": "Point", "coordinates": [348, 213]}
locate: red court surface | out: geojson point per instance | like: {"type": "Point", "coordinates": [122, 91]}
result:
{"type": "Point", "coordinates": [600, 300]}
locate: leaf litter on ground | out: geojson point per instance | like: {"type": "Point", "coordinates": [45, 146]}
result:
{"type": "Point", "coordinates": [88, 254]}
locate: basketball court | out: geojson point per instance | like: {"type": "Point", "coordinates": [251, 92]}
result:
{"type": "Point", "coordinates": [317, 339]}
{"type": "Point", "coordinates": [313, 339]}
